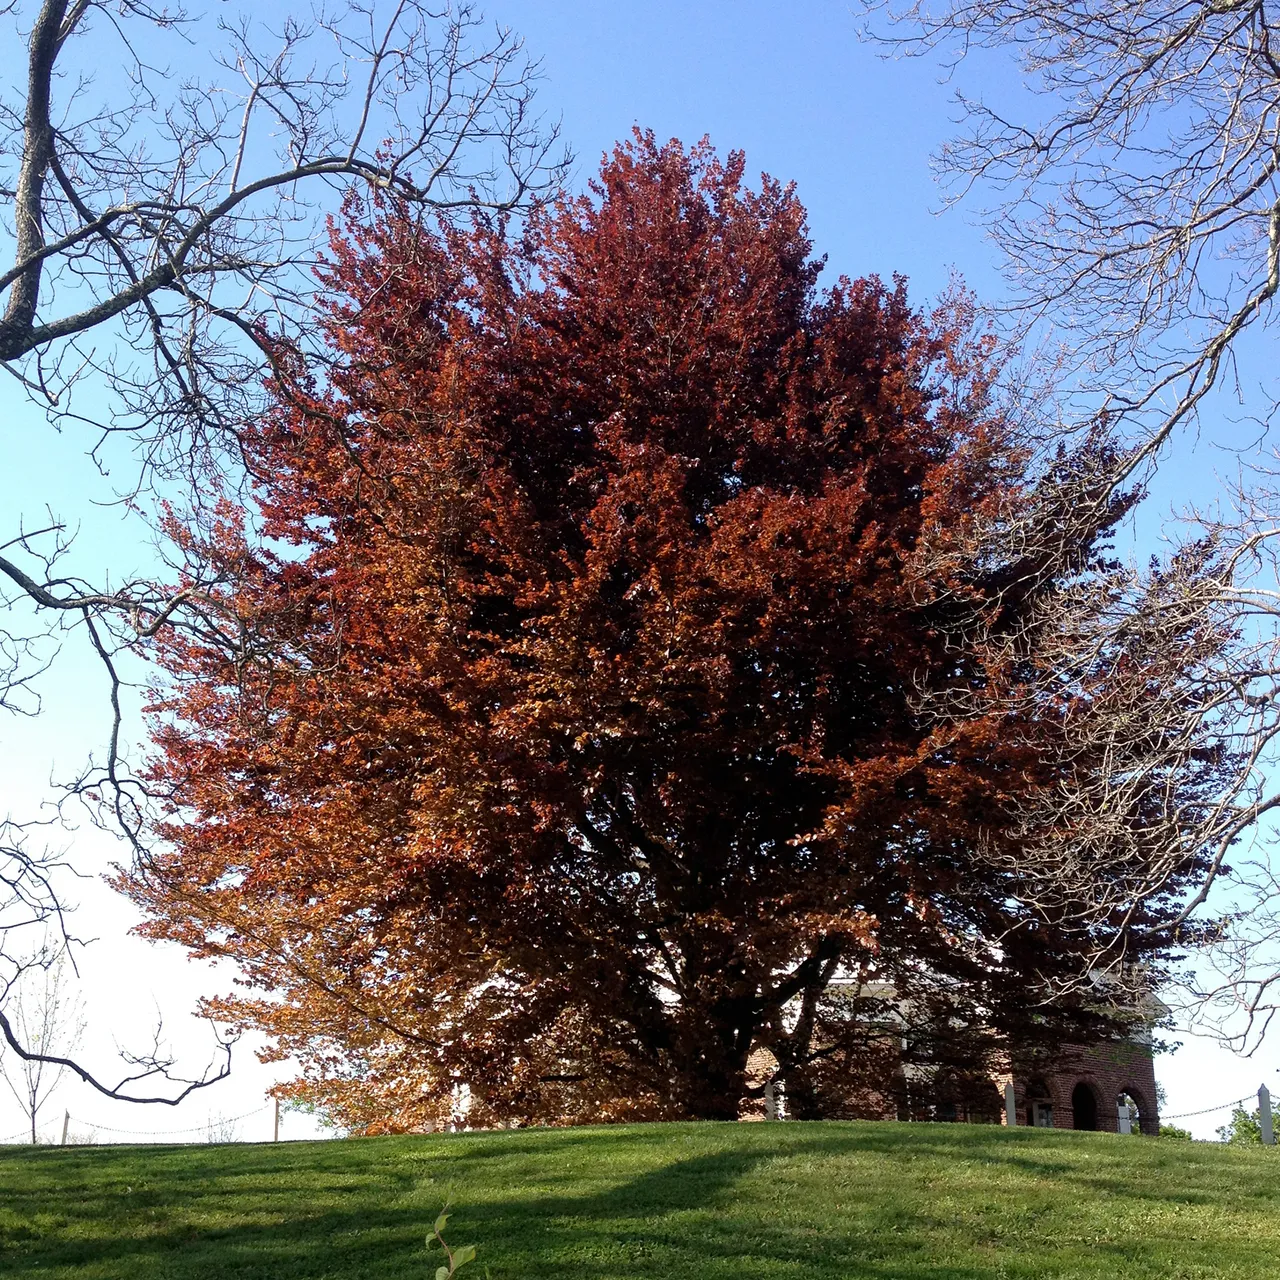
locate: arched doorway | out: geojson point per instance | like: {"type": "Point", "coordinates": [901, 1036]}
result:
{"type": "Point", "coordinates": [1129, 1107]}
{"type": "Point", "coordinates": [1084, 1107]}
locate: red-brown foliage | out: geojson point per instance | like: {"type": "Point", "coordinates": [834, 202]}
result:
{"type": "Point", "coordinates": [569, 747]}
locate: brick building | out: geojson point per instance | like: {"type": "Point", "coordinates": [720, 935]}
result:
{"type": "Point", "coordinates": [1079, 1087]}
{"type": "Point", "coordinates": [1083, 1087]}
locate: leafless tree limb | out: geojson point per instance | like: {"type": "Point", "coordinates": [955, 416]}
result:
{"type": "Point", "coordinates": [1140, 212]}
{"type": "Point", "coordinates": [1136, 199]}
{"type": "Point", "coordinates": [1154, 695]}
{"type": "Point", "coordinates": [150, 1065]}
{"type": "Point", "coordinates": [157, 243]}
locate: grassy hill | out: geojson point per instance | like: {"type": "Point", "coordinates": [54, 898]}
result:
{"type": "Point", "coordinates": [882, 1201]}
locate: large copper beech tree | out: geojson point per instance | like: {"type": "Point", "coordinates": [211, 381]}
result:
{"type": "Point", "coordinates": [567, 739]}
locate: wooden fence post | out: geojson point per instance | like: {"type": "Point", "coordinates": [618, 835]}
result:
{"type": "Point", "coordinates": [1010, 1107]}
{"type": "Point", "coordinates": [1264, 1117]}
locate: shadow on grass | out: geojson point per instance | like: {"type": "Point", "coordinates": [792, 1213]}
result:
{"type": "Point", "coordinates": [683, 1219]}
{"type": "Point", "coordinates": [1099, 1165]}
{"type": "Point", "coordinates": [582, 1205]}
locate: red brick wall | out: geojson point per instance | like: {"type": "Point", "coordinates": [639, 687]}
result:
{"type": "Point", "coordinates": [1107, 1070]}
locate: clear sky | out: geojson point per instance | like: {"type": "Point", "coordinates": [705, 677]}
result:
{"type": "Point", "coordinates": [794, 87]}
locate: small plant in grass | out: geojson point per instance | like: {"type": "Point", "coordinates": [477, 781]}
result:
{"type": "Point", "coordinates": [455, 1258]}
{"type": "Point", "coordinates": [1176, 1132]}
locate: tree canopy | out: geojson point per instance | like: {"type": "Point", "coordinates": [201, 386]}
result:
{"type": "Point", "coordinates": [573, 728]}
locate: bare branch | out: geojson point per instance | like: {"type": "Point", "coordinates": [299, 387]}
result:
{"type": "Point", "coordinates": [150, 1066]}
{"type": "Point", "coordinates": [162, 234]}
{"type": "Point", "coordinates": [1138, 214]}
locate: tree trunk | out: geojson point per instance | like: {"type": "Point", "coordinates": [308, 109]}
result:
{"type": "Point", "coordinates": [802, 1098]}
{"type": "Point", "coordinates": [709, 1085]}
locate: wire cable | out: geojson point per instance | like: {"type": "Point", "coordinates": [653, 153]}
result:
{"type": "Point", "coordinates": [1222, 1106]}
{"type": "Point", "coordinates": [173, 1133]}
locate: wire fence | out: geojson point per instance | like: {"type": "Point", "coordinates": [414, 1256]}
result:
{"type": "Point", "coordinates": [1205, 1111]}
{"type": "Point", "coordinates": [214, 1122]}
{"type": "Point", "coordinates": [215, 1128]}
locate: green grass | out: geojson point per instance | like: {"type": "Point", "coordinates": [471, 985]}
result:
{"type": "Point", "coordinates": [948, 1202]}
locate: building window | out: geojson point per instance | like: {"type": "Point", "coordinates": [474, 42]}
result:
{"type": "Point", "coordinates": [1039, 1105]}
{"type": "Point", "coordinates": [971, 1099]}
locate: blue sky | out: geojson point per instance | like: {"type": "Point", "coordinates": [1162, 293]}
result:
{"type": "Point", "coordinates": [808, 101]}
{"type": "Point", "coordinates": [791, 85]}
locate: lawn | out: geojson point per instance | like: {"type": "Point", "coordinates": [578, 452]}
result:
{"type": "Point", "coordinates": [948, 1202]}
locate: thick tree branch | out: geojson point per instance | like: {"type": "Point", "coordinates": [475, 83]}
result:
{"type": "Point", "coordinates": [151, 1066]}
